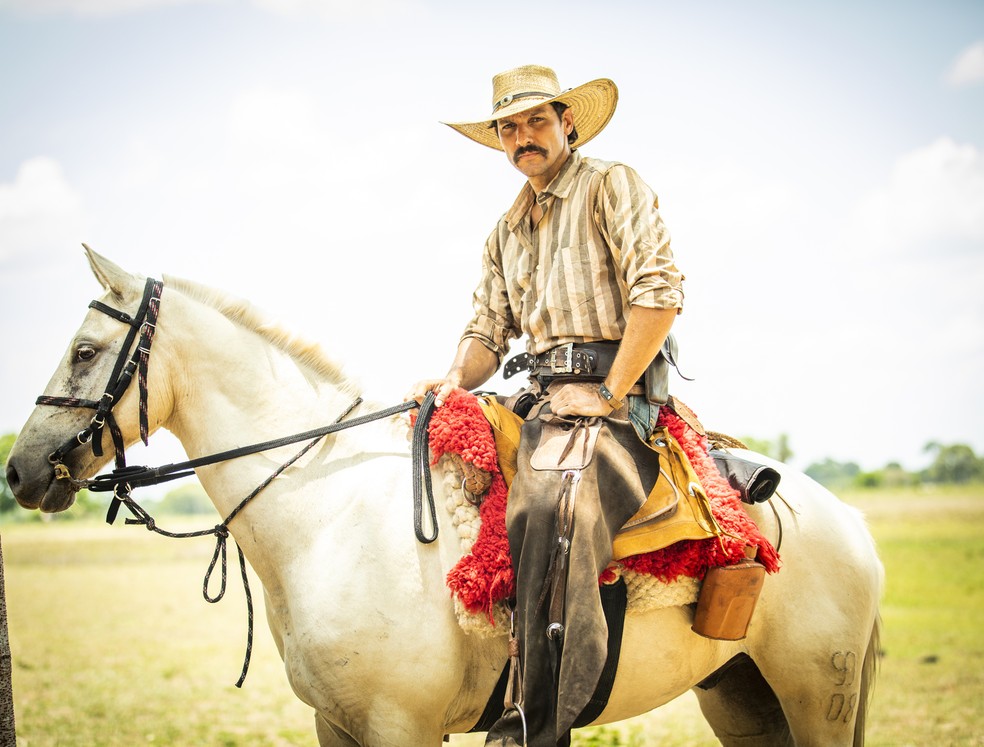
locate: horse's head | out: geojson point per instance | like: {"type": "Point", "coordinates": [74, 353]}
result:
{"type": "Point", "coordinates": [65, 439]}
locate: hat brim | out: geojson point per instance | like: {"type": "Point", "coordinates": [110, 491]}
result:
{"type": "Point", "coordinates": [592, 104]}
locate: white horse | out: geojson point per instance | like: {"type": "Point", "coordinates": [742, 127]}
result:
{"type": "Point", "coordinates": [359, 608]}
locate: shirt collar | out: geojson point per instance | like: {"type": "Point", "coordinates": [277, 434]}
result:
{"type": "Point", "coordinates": [560, 186]}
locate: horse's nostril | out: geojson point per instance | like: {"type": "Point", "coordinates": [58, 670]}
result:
{"type": "Point", "coordinates": [13, 479]}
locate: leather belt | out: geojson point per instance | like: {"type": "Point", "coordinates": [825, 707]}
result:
{"type": "Point", "coordinates": [592, 359]}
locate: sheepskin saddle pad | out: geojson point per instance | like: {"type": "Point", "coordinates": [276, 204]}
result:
{"type": "Point", "coordinates": [463, 435]}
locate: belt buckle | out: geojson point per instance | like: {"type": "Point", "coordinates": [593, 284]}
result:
{"type": "Point", "coordinates": [566, 354]}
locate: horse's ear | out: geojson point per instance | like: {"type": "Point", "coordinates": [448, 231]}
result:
{"type": "Point", "coordinates": [110, 276]}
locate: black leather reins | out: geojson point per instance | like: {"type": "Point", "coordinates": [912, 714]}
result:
{"type": "Point", "coordinates": [122, 480]}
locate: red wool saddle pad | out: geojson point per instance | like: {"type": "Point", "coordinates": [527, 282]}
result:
{"type": "Point", "coordinates": [484, 577]}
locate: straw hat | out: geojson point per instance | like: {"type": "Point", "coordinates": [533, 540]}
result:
{"type": "Point", "coordinates": [530, 86]}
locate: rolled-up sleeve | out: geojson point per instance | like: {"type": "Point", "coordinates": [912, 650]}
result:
{"type": "Point", "coordinates": [630, 220]}
{"type": "Point", "coordinates": [493, 324]}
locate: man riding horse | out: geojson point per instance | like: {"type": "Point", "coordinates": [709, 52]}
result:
{"type": "Point", "coordinates": [581, 264]}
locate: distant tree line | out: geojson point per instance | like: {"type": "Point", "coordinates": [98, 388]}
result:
{"type": "Point", "coordinates": [951, 464]}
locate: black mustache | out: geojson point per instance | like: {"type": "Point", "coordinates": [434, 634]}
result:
{"type": "Point", "coordinates": [528, 149]}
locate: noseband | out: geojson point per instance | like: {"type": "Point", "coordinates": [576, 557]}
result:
{"type": "Point", "coordinates": [143, 324]}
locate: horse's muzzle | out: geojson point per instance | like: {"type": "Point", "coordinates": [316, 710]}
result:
{"type": "Point", "coordinates": [42, 490]}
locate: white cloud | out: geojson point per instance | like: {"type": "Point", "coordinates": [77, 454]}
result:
{"type": "Point", "coordinates": [326, 9]}
{"type": "Point", "coordinates": [338, 9]}
{"type": "Point", "coordinates": [89, 7]}
{"type": "Point", "coordinates": [39, 211]}
{"type": "Point", "coordinates": [750, 209]}
{"type": "Point", "coordinates": [279, 131]}
{"type": "Point", "coordinates": [968, 68]}
{"type": "Point", "coordinates": [935, 193]}
{"type": "Point", "coordinates": [283, 202]}
{"type": "Point", "coordinates": [278, 167]}
{"type": "Point", "coordinates": [143, 165]}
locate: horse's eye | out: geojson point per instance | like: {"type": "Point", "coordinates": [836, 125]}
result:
{"type": "Point", "coordinates": [85, 353]}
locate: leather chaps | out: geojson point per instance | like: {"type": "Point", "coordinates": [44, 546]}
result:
{"type": "Point", "coordinates": [561, 528]}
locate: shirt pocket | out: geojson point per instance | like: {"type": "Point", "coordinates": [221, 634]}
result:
{"type": "Point", "coordinates": [573, 279]}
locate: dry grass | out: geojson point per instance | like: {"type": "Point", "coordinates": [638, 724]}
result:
{"type": "Point", "coordinates": [113, 645]}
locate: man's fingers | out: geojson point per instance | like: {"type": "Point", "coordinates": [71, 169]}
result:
{"type": "Point", "coordinates": [441, 389]}
{"type": "Point", "coordinates": [442, 393]}
{"type": "Point", "coordinates": [419, 391]}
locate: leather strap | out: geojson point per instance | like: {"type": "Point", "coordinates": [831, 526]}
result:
{"type": "Point", "coordinates": [557, 573]}
{"type": "Point", "coordinates": [686, 414]}
{"type": "Point", "coordinates": [513, 695]}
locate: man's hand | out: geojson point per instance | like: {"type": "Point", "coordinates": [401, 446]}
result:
{"type": "Point", "coordinates": [573, 400]}
{"type": "Point", "coordinates": [442, 389]}
{"type": "Point", "coordinates": [473, 365]}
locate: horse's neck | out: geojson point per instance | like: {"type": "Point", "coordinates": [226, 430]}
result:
{"type": "Point", "coordinates": [242, 390]}
{"type": "Point", "coordinates": [232, 388]}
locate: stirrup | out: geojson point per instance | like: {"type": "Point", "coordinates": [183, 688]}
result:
{"type": "Point", "coordinates": [522, 717]}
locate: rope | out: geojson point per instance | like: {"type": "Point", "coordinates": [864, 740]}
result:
{"type": "Point", "coordinates": [725, 441]}
{"type": "Point", "coordinates": [221, 532]}
{"type": "Point", "coordinates": [419, 452]}
{"type": "Point", "coordinates": [219, 558]}
{"type": "Point", "coordinates": [220, 555]}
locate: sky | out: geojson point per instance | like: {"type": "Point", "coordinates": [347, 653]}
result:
{"type": "Point", "coordinates": [820, 167]}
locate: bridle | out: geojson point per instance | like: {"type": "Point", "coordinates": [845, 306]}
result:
{"type": "Point", "coordinates": [123, 479]}
{"type": "Point", "coordinates": [143, 324]}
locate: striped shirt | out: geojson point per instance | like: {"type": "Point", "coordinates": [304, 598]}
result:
{"type": "Point", "coordinates": [599, 248]}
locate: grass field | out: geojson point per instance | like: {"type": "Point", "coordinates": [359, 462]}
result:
{"type": "Point", "coordinates": [112, 643]}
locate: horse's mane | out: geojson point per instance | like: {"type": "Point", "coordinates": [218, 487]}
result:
{"type": "Point", "coordinates": [245, 314]}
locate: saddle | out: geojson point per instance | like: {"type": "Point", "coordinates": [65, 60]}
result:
{"type": "Point", "coordinates": [676, 507]}
{"type": "Point", "coordinates": [653, 498]}
{"type": "Point", "coordinates": [486, 435]}
{"type": "Point", "coordinates": [671, 576]}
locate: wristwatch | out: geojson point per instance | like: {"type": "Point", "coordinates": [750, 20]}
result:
{"type": "Point", "coordinates": [606, 393]}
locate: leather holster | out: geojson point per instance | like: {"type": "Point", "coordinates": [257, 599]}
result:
{"type": "Point", "coordinates": [657, 376]}
{"type": "Point", "coordinates": [754, 482]}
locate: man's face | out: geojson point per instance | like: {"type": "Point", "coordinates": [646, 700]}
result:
{"type": "Point", "coordinates": [535, 141]}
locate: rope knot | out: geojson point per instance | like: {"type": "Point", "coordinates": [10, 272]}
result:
{"type": "Point", "coordinates": [221, 530]}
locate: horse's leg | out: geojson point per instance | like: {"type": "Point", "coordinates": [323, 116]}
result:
{"type": "Point", "coordinates": [330, 735]}
{"type": "Point", "coordinates": [815, 623]}
{"type": "Point", "coordinates": [820, 668]}
{"type": "Point", "coordinates": [389, 731]}
{"type": "Point", "coordinates": [743, 710]}
{"type": "Point", "coordinates": [822, 694]}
